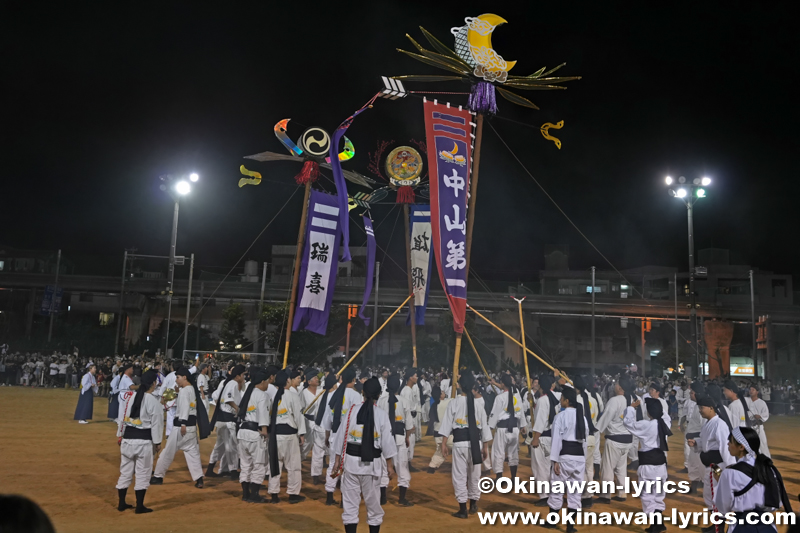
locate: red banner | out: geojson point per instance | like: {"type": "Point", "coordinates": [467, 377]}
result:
{"type": "Point", "coordinates": [449, 137]}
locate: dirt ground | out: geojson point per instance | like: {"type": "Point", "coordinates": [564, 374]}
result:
{"type": "Point", "coordinates": [71, 469]}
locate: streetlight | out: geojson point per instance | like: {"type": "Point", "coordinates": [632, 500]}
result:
{"type": "Point", "coordinates": [176, 187]}
{"type": "Point", "coordinates": [690, 193]}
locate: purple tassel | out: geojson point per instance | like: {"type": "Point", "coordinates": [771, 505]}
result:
{"type": "Point", "coordinates": [482, 99]}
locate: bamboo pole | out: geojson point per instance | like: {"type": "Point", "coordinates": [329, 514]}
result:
{"type": "Point", "coordinates": [469, 338]}
{"type": "Point", "coordinates": [412, 305]}
{"type": "Point", "coordinates": [524, 351]}
{"type": "Point", "coordinates": [301, 239]}
{"type": "Point", "coordinates": [455, 365]}
{"type": "Point", "coordinates": [339, 373]}
{"type": "Point", "coordinates": [527, 350]}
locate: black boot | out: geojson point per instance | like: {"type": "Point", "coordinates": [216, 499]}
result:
{"type": "Point", "coordinates": [350, 528]}
{"type": "Point", "coordinates": [245, 491]}
{"type": "Point", "coordinates": [140, 508]}
{"type": "Point", "coordinates": [274, 499]}
{"type": "Point", "coordinates": [596, 472]}
{"type": "Point", "coordinates": [255, 497]}
{"type": "Point", "coordinates": [498, 475]}
{"type": "Point", "coordinates": [383, 495]}
{"type": "Point", "coordinates": [513, 471]}
{"type": "Point", "coordinates": [316, 480]}
{"type": "Point", "coordinates": [542, 502]}
{"type": "Point", "coordinates": [296, 498]}
{"type": "Point", "coordinates": [234, 475]}
{"type": "Point", "coordinates": [122, 505]}
{"type": "Point", "coordinates": [210, 469]}
{"type": "Point", "coordinates": [403, 501]}
{"type": "Point", "coordinates": [473, 506]}
{"type": "Point", "coordinates": [656, 527]}
{"type": "Point", "coordinates": [331, 501]}
{"type": "Point", "coordinates": [374, 529]}
{"type": "Point", "coordinates": [431, 470]}
{"type": "Point", "coordinates": [548, 525]}
{"type": "Point", "coordinates": [156, 480]}
{"type": "Point", "coordinates": [571, 527]}
{"type": "Point", "coordinates": [586, 503]}
{"type": "Point", "coordinates": [462, 511]}
{"type": "Point", "coordinates": [199, 483]}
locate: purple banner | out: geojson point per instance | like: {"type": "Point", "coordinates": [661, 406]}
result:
{"type": "Point", "coordinates": [320, 263]}
{"type": "Point", "coordinates": [370, 267]}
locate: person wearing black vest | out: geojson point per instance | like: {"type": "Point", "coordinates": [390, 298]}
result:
{"type": "Point", "coordinates": [403, 429]}
{"type": "Point", "coordinates": [591, 410]}
{"type": "Point", "coordinates": [317, 435]}
{"type": "Point", "coordinates": [506, 418]}
{"type": "Point", "coordinates": [190, 415]}
{"type": "Point", "coordinates": [693, 424]}
{"type": "Point", "coordinates": [363, 437]}
{"type": "Point", "coordinates": [339, 403]}
{"type": "Point", "coordinates": [751, 485]}
{"type": "Point", "coordinates": [652, 434]}
{"type": "Point", "coordinates": [226, 449]}
{"type": "Point", "coordinates": [713, 447]}
{"type": "Point", "coordinates": [254, 418]}
{"type": "Point", "coordinates": [287, 431]}
{"type": "Point", "coordinates": [736, 403]}
{"type": "Point", "coordinates": [470, 429]}
{"type": "Point", "coordinates": [547, 406]}
{"type": "Point", "coordinates": [568, 454]}
{"type": "Point", "coordinates": [139, 436]}
{"type": "Point", "coordinates": [412, 395]}
{"type": "Point", "coordinates": [618, 439]}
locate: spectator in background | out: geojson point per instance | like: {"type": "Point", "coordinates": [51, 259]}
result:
{"type": "Point", "coordinates": [62, 373]}
{"type": "Point", "coordinates": [53, 373]}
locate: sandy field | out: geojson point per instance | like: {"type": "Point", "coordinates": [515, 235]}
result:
{"type": "Point", "coordinates": [71, 471]}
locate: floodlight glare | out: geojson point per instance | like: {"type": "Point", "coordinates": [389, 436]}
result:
{"type": "Point", "coordinates": [706, 182]}
{"type": "Point", "coordinates": [681, 193]}
{"type": "Point", "coordinates": [668, 180]}
{"type": "Point", "coordinates": [681, 180]}
{"type": "Point", "coordinates": [182, 187]}
{"type": "Point", "coordinates": [701, 193]}
{"type": "Point", "coordinates": [193, 176]}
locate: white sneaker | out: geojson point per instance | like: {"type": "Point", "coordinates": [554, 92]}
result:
{"type": "Point", "coordinates": [82, 422]}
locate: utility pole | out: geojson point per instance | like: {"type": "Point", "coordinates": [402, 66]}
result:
{"type": "Point", "coordinates": [121, 297]}
{"type": "Point", "coordinates": [53, 301]}
{"type": "Point", "coordinates": [677, 363]}
{"type": "Point", "coordinates": [375, 311]}
{"type": "Point", "coordinates": [188, 306]}
{"type": "Point", "coordinates": [260, 341]}
{"type": "Point", "coordinates": [753, 324]}
{"type": "Point", "coordinates": [593, 332]}
{"type": "Point", "coordinates": [171, 277]}
{"type": "Point", "coordinates": [692, 299]}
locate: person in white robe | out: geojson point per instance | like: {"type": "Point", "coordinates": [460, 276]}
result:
{"type": "Point", "coordinates": [758, 414]}
{"type": "Point", "coordinates": [286, 436]}
{"type": "Point", "coordinates": [506, 418]}
{"type": "Point", "coordinates": [254, 417]}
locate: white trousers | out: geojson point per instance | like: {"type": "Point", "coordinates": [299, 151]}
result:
{"type": "Point", "coordinates": [318, 449]}
{"type": "Point", "coordinates": [438, 459]}
{"type": "Point", "coordinates": [135, 456]}
{"type": "Point", "coordinates": [426, 411]}
{"type": "Point", "coordinates": [171, 414]}
{"type": "Point", "coordinates": [355, 487]}
{"type": "Point", "coordinates": [191, 451]}
{"type": "Point", "coordinates": [254, 461]}
{"type": "Point", "coordinates": [633, 451]}
{"type": "Point", "coordinates": [695, 465]}
{"type": "Point", "coordinates": [597, 449]}
{"type": "Point", "coordinates": [289, 458]}
{"type": "Point", "coordinates": [226, 449]}
{"type": "Point", "coordinates": [614, 463]}
{"type": "Point", "coordinates": [330, 483]}
{"type": "Point", "coordinates": [540, 461]}
{"type": "Point", "coordinates": [709, 484]}
{"type": "Point", "coordinates": [762, 435]}
{"type": "Point", "coordinates": [400, 466]}
{"type": "Point", "coordinates": [591, 444]}
{"type": "Point", "coordinates": [573, 468]}
{"type": "Point", "coordinates": [505, 444]}
{"type": "Point", "coordinates": [412, 439]}
{"type": "Point", "coordinates": [653, 501]}
{"type": "Point", "coordinates": [465, 475]}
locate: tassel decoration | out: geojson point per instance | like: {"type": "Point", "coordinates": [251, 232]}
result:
{"type": "Point", "coordinates": [309, 173]}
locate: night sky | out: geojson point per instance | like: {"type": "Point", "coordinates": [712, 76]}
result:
{"type": "Point", "coordinates": [102, 99]}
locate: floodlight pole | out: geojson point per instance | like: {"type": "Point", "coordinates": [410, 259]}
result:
{"type": "Point", "coordinates": [171, 276]}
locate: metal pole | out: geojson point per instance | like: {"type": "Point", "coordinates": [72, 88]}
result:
{"type": "Point", "coordinates": [121, 296]}
{"type": "Point", "coordinates": [375, 311]}
{"type": "Point", "coordinates": [188, 306]}
{"type": "Point", "coordinates": [412, 304]}
{"type": "Point", "coordinates": [593, 331]}
{"type": "Point", "coordinates": [301, 239]}
{"type": "Point", "coordinates": [677, 363]}
{"type": "Point", "coordinates": [199, 316]}
{"type": "Point", "coordinates": [692, 304]}
{"type": "Point", "coordinates": [643, 372]}
{"type": "Point", "coordinates": [260, 341]}
{"type": "Point", "coordinates": [171, 276]}
{"type": "Point", "coordinates": [53, 301]}
{"type": "Point", "coordinates": [753, 323]}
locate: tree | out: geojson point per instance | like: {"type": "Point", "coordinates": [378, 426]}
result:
{"type": "Point", "coordinates": [666, 357]}
{"type": "Point", "coordinates": [232, 331]}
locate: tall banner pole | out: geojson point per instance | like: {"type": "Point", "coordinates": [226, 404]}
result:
{"type": "Point", "coordinates": [474, 349]}
{"type": "Point", "coordinates": [301, 239]}
{"type": "Point", "coordinates": [412, 303]}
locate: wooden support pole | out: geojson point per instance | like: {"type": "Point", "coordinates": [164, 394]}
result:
{"type": "Point", "coordinates": [524, 350]}
{"type": "Point", "coordinates": [455, 365]}
{"type": "Point", "coordinates": [301, 239]}
{"type": "Point", "coordinates": [339, 373]}
{"type": "Point", "coordinates": [412, 304]}
{"type": "Point", "coordinates": [469, 338]}
{"type": "Point", "coordinates": [527, 350]}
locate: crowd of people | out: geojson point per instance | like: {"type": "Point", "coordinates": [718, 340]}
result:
{"type": "Point", "coordinates": [588, 428]}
